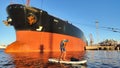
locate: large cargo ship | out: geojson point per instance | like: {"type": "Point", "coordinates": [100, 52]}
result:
{"type": "Point", "coordinates": [38, 31]}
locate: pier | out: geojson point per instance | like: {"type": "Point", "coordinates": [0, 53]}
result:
{"type": "Point", "coordinates": [3, 46]}
{"type": "Point", "coordinates": [98, 47]}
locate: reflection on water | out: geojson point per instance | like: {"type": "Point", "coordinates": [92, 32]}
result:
{"type": "Point", "coordinates": [34, 60]}
{"type": "Point", "coordinates": [96, 59]}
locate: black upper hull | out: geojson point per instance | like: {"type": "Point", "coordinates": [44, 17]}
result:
{"type": "Point", "coordinates": [30, 18]}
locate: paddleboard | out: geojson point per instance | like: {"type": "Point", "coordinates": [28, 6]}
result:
{"type": "Point", "coordinates": [53, 60]}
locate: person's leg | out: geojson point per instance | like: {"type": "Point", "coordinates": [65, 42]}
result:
{"type": "Point", "coordinates": [64, 56]}
{"type": "Point", "coordinates": [61, 56]}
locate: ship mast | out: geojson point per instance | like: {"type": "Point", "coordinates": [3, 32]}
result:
{"type": "Point", "coordinates": [11, 2]}
{"type": "Point", "coordinates": [27, 2]}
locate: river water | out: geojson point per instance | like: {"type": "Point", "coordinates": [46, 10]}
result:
{"type": "Point", "coordinates": [95, 59]}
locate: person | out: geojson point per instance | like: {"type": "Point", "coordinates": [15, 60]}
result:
{"type": "Point", "coordinates": [62, 49]}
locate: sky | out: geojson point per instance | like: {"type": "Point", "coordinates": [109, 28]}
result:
{"type": "Point", "coordinates": [81, 13]}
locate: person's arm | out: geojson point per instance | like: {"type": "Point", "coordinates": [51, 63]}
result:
{"type": "Point", "coordinates": [65, 44]}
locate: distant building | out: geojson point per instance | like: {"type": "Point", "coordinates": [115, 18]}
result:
{"type": "Point", "coordinates": [110, 42]}
{"type": "Point", "coordinates": [118, 42]}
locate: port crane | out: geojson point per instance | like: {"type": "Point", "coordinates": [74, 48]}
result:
{"type": "Point", "coordinates": [91, 39]}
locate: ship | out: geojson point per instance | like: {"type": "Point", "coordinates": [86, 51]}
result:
{"type": "Point", "coordinates": [38, 31]}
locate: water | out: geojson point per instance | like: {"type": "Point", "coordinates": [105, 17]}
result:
{"type": "Point", "coordinates": [95, 58]}
{"type": "Point", "coordinates": [103, 59]}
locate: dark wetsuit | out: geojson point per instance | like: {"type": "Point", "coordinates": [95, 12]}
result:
{"type": "Point", "coordinates": [62, 46]}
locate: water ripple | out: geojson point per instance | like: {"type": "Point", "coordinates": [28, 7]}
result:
{"type": "Point", "coordinates": [96, 59]}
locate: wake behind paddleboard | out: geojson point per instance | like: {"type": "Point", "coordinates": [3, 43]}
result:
{"type": "Point", "coordinates": [53, 60]}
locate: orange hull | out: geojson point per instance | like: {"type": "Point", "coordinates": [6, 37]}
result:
{"type": "Point", "coordinates": [33, 41]}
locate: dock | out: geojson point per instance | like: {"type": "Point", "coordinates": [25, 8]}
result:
{"type": "Point", "coordinates": [3, 46]}
{"type": "Point", "coordinates": [98, 47]}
